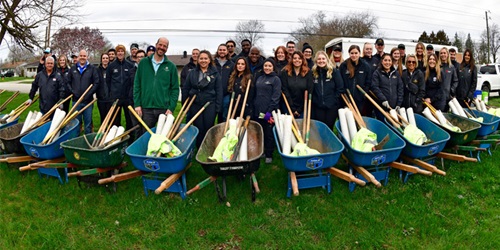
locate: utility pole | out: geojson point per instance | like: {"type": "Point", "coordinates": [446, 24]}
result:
{"type": "Point", "coordinates": [487, 34]}
{"type": "Point", "coordinates": [47, 43]}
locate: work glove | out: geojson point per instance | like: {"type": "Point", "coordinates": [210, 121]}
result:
{"type": "Point", "coordinates": [397, 108]}
{"type": "Point", "coordinates": [60, 107]}
{"type": "Point", "coordinates": [269, 118]}
{"type": "Point", "coordinates": [28, 102]}
{"type": "Point", "coordinates": [386, 104]}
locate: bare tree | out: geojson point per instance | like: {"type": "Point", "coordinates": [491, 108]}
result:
{"type": "Point", "coordinates": [494, 41]}
{"type": "Point", "coordinates": [18, 53]}
{"type": "Point", "coordinates": [20, 19]}
{"type": "Point", "coordinates": [251, 30]}
{"type": "Point", "coordinates": [317, 29]}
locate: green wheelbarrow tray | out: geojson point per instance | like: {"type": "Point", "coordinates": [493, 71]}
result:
{"type": "Point", "coordinates": [469, 130]}
{"type": "Point", "coordinates": [78, 152]}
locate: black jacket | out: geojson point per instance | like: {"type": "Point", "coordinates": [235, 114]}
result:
{"type": "Point", "coordinates": [414, 89]}
{"type": "Point", "coordinates": [388, 86]}
{"type": "Point", "coordinates": [207, 88]}
{"type": "Point", "coordinates": [280, 65]}
{"type": "Point", "coordinates": [185, 71]}
{"type": "Point", "coordinates": [467, 82]}
{"type": "Point", "coordinates": [326, 93]}
{"type": "Point", "coordinates": [225, 72]}
{"type": "Point", "coordinates": [294, 87]}
{"type": "Point", "coordinates": [372, 62]}
{"type": "Point", "coordinates": [102, 92]}
{"type": "Point", "coordinates": [119, 81]}
{"type": "Point", "coordinates": [77, 83]}
{"type": "Point", "coordinates": [267, 93]}
{"type": "Point", "coordinates": [64, 73]}
{"type": "Point", "coordinates": [362, 77]}
{"type": "Point", "coordinates": [238, 90]}
{"type": "Point", "coordinates": [450, 80]}
{"type": "Point", "coordinates": [310, 63]}
{"type": "Point", "coordinates": [50, 88]}
{"type": "Point", "coordinates": [257, 69]}
{"type": "Point", "coordinates": [434, 90]}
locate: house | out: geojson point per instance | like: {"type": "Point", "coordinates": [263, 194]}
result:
{"type": "Point", "coordinates": [17, 67]}
{"type": "Point", "coordinates": [179, 60]}
{"type": "Point", "coordinates": [30, 69]}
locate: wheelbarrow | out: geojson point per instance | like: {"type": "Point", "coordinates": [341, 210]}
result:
{"type": "Point", "coordinates": [10, 141]}
{"type": "Point", "coordinates": [463, 140]}
{"type": "Point", "coordinates": [372, 166]}
{"type": "Point", "coordinates": [48, 153]}
{"type": "Point", "coordinates": [423, 156]}
{"type": "Point", "coordinates": [8, 124]}
{"type": "Point", "coordinates": [92, 163]}
{"type": "Point", "coordinates": [486, 135]}
{"type": "Point", "coordinates": [231, 168]}
{"type": "Point", "coordinates": [154, 170]}
{"type": "Point", "coordinates": [311, 171]}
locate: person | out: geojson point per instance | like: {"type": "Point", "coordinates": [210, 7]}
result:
{"type": "Point", "coordinates": [328, 86]}
{"type": "Point", "coordinates": [256, 62]}
{"type": "Point", "coordinates": [396, 60]}
{"type": "Point", "coordinates": [380, 46]}
{"type": "Point", "coordinates": [46, 53]}
{"type": "Point", "coordinates": [238, 82]}
{"type": "Point", "coordinates": [150, 50]}
{"type": "Point", "coordinates": [120, 84]}
{"type": "Point", "coordinates": [467, 79]}
{"type": "Point", "coordinates": [307, 50]}
{"type": "Point", "coordinates": [421, 55]}
{"type": "Point", "coordinates": [74, 59]}
{"type": "Point", "coordinates": [356, 72]}
{"type": "Point", "coordinates": [224, 66]}
{"type": "Point", "coordinates": [103, 101]}
{"type": "Point", "coordinates": [63, 69]}
{"type": "Point", "coordinates": [448, 74]}
{"type": "Point", "coordinates": [453, 58]}
{"type": "Point", "coordinates": [246, 45]}
{"type": "Point", "coordinates": [267, 96]}
{"type": "Point", "coordinates": [290, 48]}
{"type": "Point", "coordinates": [387, 85]}
{"type": "Point", "coordinates": [337, 58]}
{"type": "Point", "coordinates": [50, 85]}
{"type": "Point", "coordinates": [414, 85]}
{"type": "Point", "coordinates": [205, 82]}
{"type": "Point", "coordinates": [81, 76]}
{"type": "Point", "coordinates": [134, 47]}
{"type": "Point", "coordinates": [296, 78]}
{"type": "Point", "coordinates": [402, 53]}
{"type": "Point", "coordinates": [193, 61]}
{"type": "Point", "coordinates": [138, 56]}
{"type": "Point", "coordinates": [368, 56]}
{"type": "Point", "coordinates": [430, 49]}
{"type": "Point", "coordinates": [156, 85]}
{"type": "Point", "coordinates": [434, 91]}
{"type": "Point", "coordinates": [281, 58]}
{"type": "Point", "coordinates": [111, 54]}
{"type": "Point", "coordinates": [231, 49]}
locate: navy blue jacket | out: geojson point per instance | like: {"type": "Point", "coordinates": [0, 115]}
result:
{"type": "Point", "coordinates": [467, 82]}
{"type": "Point", "coordinates": [120, 82]}
{"type": "Point", "coordinates": [267, 93]}
{"type": "Point", "coordinates": [414, 89]}
{"type": "Point", "coordinates": [294, 87]}
{"type": "Point", "coordinates": [326, 93]}
{"type": "Point", "coordinates": [388, 86]}
{"type": "Point", "coordinates": [185, 71]}
{"type": "Point", "coordinates": [225, 72]}
{"type": "Point", "coordinates": [206, 89]}
{"type": "Point", "coordinates": [51, 89]}
{"type": "Point", "coordinates": [362, 77]}
{"type": "Point", "coordinates": [102, 92]}
{"type": "Point", "coordinates": [434, 90]}
{"type": "Point", "coordinates": [450, 81]}
{"type": "Point", "coordinates": [77, 83]}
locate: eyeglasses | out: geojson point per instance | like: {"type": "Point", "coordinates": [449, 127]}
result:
{"type": "Point", "coordinates": [230, 46]}
{"type": "Point", "coordinates": [411, 62]}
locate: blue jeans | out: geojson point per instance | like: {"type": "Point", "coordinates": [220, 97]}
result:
{"type": "Point", "coordinates": [87, 117]}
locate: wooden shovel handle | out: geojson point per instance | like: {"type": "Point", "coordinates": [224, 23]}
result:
{"type": "Point", "coordinates": [171, 180]}
{"type": "Point", "coordinates": [295, 185]}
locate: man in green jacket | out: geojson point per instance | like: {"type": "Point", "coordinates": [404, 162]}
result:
{"type": "Point", "coordinates": [156, 85]}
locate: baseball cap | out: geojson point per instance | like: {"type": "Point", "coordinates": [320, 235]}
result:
{"type": "Point", "coordinates": [430, 47]}
{"type": "Point", "coordinates": [379, 41]}
{"type": "Point", "coordinates": [151, 48]}
{"type": "Point", "coordinates": [337, 47]}
{"type": "Point", "coordinates": [46, 51]}
{"type": "Point", "coordinates": [134, 45]}
{"type": "Point", "coordinates": [74, 56]}
{"type": "Point", "coordinates": [401, 46]}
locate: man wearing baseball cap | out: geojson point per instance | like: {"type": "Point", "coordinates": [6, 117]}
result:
{"type": "Point", "coordinates": [430, 49]}
{"type": "Point", "coordinates": [402, 49]}
{"type": "Point", "coordinates": [41, 64]}
{"type": "Point", "coordinates": [134, 47]}
{"type": "Point", "coordinates": [150, 50]}
{"type": "Point", "coordinates": [379, 46]}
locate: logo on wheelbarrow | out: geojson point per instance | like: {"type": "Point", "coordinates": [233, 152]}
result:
{"type": "Point", "coordinates": [34, 152]}
{"type": "Point", "coordinates": [379, 159]}
{"type": "Point", "coordinates": [76, 155]}
{"type": "Point", "coordinates": [433, 150]}
{"type": "Point", "coordinates": [314, 163]}
{"type": "Point", "coordinates": [152, 165]}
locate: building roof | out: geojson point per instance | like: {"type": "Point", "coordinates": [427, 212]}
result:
{"type": "Point", "coordinates": [12, 65]}
{"type": "Point", "coordinates": [179, 60]}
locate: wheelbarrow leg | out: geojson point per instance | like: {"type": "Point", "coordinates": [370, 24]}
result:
{"type": "Point", "coordinates": [217, 190]}
{"type": "Point", "coordinates": [253, 188]}
{"type": "Point", "coordinates": [224, 194]}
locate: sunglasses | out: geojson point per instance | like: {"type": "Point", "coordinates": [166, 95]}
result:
{"type": "Point", "coordinates": [411, 62]}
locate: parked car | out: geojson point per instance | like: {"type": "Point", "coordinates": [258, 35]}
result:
{"type": "Point", "coordinates": [488, 78]}
{"type": "Point", "coordinates": [9, 73]}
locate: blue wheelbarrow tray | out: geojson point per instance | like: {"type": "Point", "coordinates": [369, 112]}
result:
{"type": "Point", "coordinates": [322, 139]}
{"type": "Point", "coordinates": [389, 153]}
{"type": "Point", "coordinates": [437, 135]}
{"type": "Point", "coordinates": [489, 124]}
{"type": "Point", "coordinates": [8, 124]}
{"type": "Point", "coordinates": [137, 153]}
{"type": "Point", "coordinates": [32, 140]}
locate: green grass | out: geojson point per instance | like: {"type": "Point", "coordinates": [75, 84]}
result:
{"type": "Point", "coordinates": [16, 78]}
{"type": "Point", "coordinates": [458, 211]}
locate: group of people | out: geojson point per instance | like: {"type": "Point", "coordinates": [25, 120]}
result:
{"type": "Point", "coordinates": [149, 82]}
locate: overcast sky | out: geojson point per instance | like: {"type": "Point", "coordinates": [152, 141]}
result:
{"type": "Point", "coordinates": [125, 21]}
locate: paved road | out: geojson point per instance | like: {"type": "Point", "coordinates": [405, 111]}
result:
{"type": "Point", "coordinates": [16, 86]}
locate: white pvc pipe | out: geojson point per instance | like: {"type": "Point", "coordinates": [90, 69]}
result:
{"type": "Point", "coordinates": [459, 107]}
{"type": "Point", "coordinates": [394, 114]}
{"type": "Point", "coordinates": [287, 135]}
{"type": "Point", "coordinates": [277, 122]}
{"type": "Point", "coordinates": [343, 125]}
{"type": "Point", "coordinates": [453, 108]}
{"type": "Point", "coordinates": [441, 117]}
{"type": "Point", "coordinates": [411, 116]}
{"type": "Point", "coordinates": [160, 123]}
{"type": "Point", "coordinates": [483, 107]}
{"type": "Point", "coordinates": [167, 125]}
{"type": "Point", "coordinates": [36, 118]}
{"type": "Point", "coordinates": [478, 105]}
{"type": "Point", "coordinates": [111, 134]}
{"type": "Point", "coordinates": [402, 113]}
{"type": "Point", "coordinates": [351, 124]}
{"type": "Point", "coordinates": [429, 115]}
{"type": "Point", "coordinates": [27, 122]}
{"type": "Point", "coordinates": [243, 154]}
{"type": "Point", "coordinates": [119, 132]}
{"type": "Point", "coordinates": [56, 120]}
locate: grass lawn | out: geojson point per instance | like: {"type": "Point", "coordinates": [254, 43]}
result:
{"type": "Point", "coordinates": [458, 211]}
{"type": "Point", "coordinates": [16, 78]}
